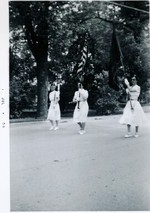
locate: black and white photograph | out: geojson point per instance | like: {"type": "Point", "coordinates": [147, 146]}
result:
{"type": "Point", "coordinates": [75, 108]}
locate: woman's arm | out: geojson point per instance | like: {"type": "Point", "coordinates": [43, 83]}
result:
{"type": "Point", "coordinates": [57, 99]}
{"type": "Point", "coordinates": [75, 98]}
{"type": "Point", "coordinates": [50, 98]}
{"type": "Point", "coordinates": [84, 94]}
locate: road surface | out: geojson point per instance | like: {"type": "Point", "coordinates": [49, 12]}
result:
{"type": "Point", "coordinates": [64, 171]}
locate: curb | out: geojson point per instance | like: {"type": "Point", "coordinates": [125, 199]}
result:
{"type": "Point", "coordinates": [32, 120]}
{"type": "Point", "coordinates": [63, 119]}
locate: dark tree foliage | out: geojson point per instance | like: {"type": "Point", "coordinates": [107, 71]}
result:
{"type": "Point", "coordinates": [46, 38]}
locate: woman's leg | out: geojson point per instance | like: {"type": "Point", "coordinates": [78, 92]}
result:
{"type": "Point", "coordinates": [82, 131]}
{"type": "Point", "coordinates": [52, 124]}
{"type": "Point", "coordinates": [129, 128]}
{"type": "Point", "coordinates": [57, 123]}
{"type": "Point", "coordinates": [80, 124]}
{"type": "Point", "coordinates": [83, 125]}
{"type": "Point", "coordinates": [128, 131]}
{"type": "Point", "coordinates": [136, 131]}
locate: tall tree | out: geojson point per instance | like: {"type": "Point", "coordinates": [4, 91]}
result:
{"type": "Point", "coordinates": [34, 21]}
{"type": "Point", "coordinates": [41, 22]}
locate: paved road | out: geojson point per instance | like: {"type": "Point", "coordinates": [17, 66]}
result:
{"type": "Point", "coordinates": [62, 170]}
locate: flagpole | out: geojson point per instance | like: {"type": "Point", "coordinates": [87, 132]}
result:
{"type": "Point", "coordinates": [121, 55]}
{"type": "Point", "coordinates": [128, 7]}
{"type": "Point", "coordinates": [121, 60]}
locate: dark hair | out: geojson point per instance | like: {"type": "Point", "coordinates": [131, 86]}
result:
{"type": "Point", "coordinates": [53, 84]}
{"type": "Point", "coordinates": [134, 77]}
{"type": "Point", "coordinates": [84, 84]}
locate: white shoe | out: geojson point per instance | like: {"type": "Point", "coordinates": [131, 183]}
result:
{"type": "Point", "coordinates": [128, 136]}
{"type": "Point", "coordinates": [82, 132]}
{"type": "Point", "coordinates": [56, 128]}
{"type": "Point", "coordinates": [136, 135]}
{"type": "Point", "coordinates": [51, 128]}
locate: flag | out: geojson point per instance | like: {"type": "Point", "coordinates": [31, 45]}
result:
{"type": "Point", "coordinates": [81, 64]}
{"type": "Point", "coordinates": [115, 59]}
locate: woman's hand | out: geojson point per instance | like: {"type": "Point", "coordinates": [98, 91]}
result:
{"type": "Point", "coordinates": [126, 82]}
{"type": "Point", "coordinates": [75, 100]}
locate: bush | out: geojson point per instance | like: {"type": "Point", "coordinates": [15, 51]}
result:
{"type": "Point", "coordinates": [105, 106]}
{"type": "Point", "coordinates": [22, 96]}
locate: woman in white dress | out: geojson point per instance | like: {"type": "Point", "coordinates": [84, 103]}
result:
{"type": "Point", "coordinates": [81, 108]}
{"type": "Point", "coordinates": [54, 109]}
{"type": "Point", "coordinates": [133, 113]}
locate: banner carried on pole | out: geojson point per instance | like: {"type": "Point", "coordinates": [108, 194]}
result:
{"type": "Point", "coordinates": [115, 61]}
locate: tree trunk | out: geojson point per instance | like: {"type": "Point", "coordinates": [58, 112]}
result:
{"type": "Point", "coordinates": [42, 91]}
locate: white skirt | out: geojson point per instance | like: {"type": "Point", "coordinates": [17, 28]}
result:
{"type": "Point", "coordinates": [133, 117]}
{"type": "Point", "coordinates": [54, 112]}
{"type": "Point", "coordinates": [80, 115]}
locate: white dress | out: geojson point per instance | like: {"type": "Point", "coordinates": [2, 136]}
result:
{"type": "Point", "coordinates": [81, 108]}
{"type": "Point", "coordinates": [54, 109]}
{"type": "Point", "coordinates": [133, 113]}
